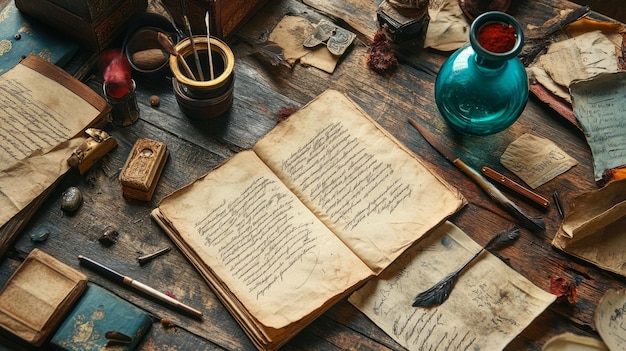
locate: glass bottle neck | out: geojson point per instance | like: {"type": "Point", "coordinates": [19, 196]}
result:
{"type": "Point", "coordinates": [486, 65]}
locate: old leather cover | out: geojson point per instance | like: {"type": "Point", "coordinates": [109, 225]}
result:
{"type": "Point", "coordinates": [38, 296]}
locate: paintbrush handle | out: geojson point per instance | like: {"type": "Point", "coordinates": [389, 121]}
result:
{"type": "Point", "coordinates": [533, 224]}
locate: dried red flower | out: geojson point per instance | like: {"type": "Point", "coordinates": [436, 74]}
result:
{"type": "Point", "coordinates": [381, 57]}
{"type": "Point", "coordinates": [564, 290]}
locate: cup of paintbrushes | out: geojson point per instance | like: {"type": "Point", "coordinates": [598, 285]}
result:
{"type": "Point", "coordinates": [209, 98]}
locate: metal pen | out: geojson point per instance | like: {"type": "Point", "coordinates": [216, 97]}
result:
{"type": "Point", "coordinates": [137, 285]}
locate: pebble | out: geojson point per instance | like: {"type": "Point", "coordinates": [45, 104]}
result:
{"type": "Point", "coordinates": [72, 198]}
{"type": "Point", "coordinates": [109, 237]}
{"type": "Point", "coordinates": [40, 235]}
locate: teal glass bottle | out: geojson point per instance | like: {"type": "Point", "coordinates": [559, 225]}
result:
{"type": "Point", "coordinates": [481, 89]}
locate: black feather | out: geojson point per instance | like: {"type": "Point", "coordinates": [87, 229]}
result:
{"type": "Point", "coordinates": [271, 52]}
{"type": "Point", "coordinates": [439, 293]}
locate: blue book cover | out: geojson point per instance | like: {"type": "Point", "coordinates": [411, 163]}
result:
{"type": "Point", "coordinates": [97, 313]}
{"type": "Point", "coordinates": [21, 36]}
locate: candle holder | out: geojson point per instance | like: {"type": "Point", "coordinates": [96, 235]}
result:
{"type": "Point", "coordinates": [124, 110]}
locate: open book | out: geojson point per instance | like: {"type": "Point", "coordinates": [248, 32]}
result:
{"type": "Point", "coordinates": [43, 113]}
{"type": "Point", "coordinates": [320, 204]}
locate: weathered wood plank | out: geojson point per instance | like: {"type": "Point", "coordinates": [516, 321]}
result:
{"type": "Point", "coordinates": [260, 92]}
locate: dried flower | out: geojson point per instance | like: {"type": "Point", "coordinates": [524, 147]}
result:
{"type": "Point", "coordinates": [381, 57]}
{"type": "Point", "coordinates": [563, 289]}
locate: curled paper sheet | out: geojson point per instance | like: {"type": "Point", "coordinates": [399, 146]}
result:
{"type": "Point", "coordinates": [595, 228]}
{"type": "Point", "coordinates": [611, 319]}
{"type": "Point", "coordinates": [573, 342]}
{"type": "Point", "coordinates": [599, 106]}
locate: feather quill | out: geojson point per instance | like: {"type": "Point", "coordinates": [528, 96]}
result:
{"type": "Point", "coordinates": [440, 292]}
{"type": "Point", "coordinates": [271, 52]}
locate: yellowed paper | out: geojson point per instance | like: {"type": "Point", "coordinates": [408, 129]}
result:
{"type": "Point", "coordinates": [586, 55]}
{"type": "Point", "coordinates": [599, 104]}
{"type": "Point", "coordinates": [266, 246]}
{"type": "Point", "coordinates": [371, 191]}
{"type": "Point", "coordinates": [542, 77]}
{"type": "Point", "coordinates": [290, 33]}
{"type": "Point", "coordinates": [489, 305]}
{"type": "Point", "coordinates": [573, 342]}
{"type": "Point", "coordinates": [595, 228]}
{"type": "Point", "coordinates": [610, 319]}
{"type": "Point", "coordinates": [536, 160]}
{"type": "Point", "coordinates": [38, 117]}
{"type": "Point", "coordinates": [448, 28]}
{"type": "Point", "coordinates": [319, 57]}
{"type": "Point", "coordinates": [282, 231]}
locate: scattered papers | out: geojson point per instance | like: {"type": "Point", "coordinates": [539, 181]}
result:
{"type": "Point", "coordinates": [586, 55]}
{"type": "Point", "coordinates": [536, 160]}
{"type": "Point", "coordinates": [599, 106]}
{"type": "Point", "coordinates": [595, 228]}
{"type": "Point", "coordinates": [448, 29]}
{"type": "Point", "coordinates": [611, 319]}
{"type": "Point", "coordinates": [293, 32]}
{"type": "Point", "coordinates": [488, 307]}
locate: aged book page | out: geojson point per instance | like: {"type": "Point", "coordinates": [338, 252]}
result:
{"type": "Point", "coordinates": [489, 305]}
{"type": "Point", "coordinates": [43, 111]}
{"type": "Point", "coordinates": [274, 255]}
{"type": "Point", "coordinates": [368, 188]}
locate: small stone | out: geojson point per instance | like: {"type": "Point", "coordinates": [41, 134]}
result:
{"type": "Point", "coordinates": [72, 198]}
{"type": "Point", "coordinates": [109, 237]}
{"type": "Point", "coordinates": [17, 36]}
{"type": "Point", "coordinates": [154, 101]}
{"type": "Point", "coordinates": [167, 323]}
{"type": "Point", "coordinates": [40, 235]}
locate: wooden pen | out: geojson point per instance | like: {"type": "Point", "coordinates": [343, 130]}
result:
{"type": "Point", "coordinates": [516, 187]}
{"type": "Point", "coordinates": [100, 268]}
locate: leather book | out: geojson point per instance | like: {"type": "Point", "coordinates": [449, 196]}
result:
{"type": "Point", "coordinates": [38, 296]}
{"type": "Point", "coordinates": [102, 321]}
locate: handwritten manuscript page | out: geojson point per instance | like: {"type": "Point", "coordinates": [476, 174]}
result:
{"type": "Point", "coordinates": [599, 106]}
{"type": "Point", "coordinates": [371, 191]}
{"type": "Point", "coordinates": [323, 202]}
{"type": "Point", "coordinates": [275, 256]}
{"type": "Point", "coordinates": [41, 120]}
{"type": "Point", "coordinates": [489, 305]}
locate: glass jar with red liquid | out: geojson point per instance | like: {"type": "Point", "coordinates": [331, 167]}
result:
{"type": "Point", "coordinates": [482, 88]}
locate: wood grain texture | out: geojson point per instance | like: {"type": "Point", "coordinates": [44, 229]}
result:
{"type": "Point", "coordinates": [260, 92]}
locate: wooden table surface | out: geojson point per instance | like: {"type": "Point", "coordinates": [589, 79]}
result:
{"type": "Point", "coordinates": [261, 91]}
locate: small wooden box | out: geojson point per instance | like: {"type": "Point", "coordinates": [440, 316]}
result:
{"type": "Point", "coordinates": [92, 23]}
{"type": "Point", "coordinates": [227, 16]}
{"type": "Point", "coordinates": [143, 168]}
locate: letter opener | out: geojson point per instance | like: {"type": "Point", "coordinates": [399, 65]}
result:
{"type": "Point", "coordinates": [533, 224]}
{"type": "Point", "coordinates": [100, 268]}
